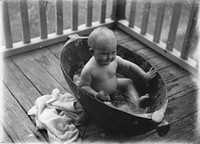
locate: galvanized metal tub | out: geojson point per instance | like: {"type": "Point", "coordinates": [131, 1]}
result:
{"type": "Point", "coordinates": [76, 53]}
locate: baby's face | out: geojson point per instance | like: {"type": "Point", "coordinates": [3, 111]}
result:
{"type": "Point", "coordinates": [104, 53]}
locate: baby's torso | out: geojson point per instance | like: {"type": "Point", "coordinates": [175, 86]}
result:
{"type": "Point", "coordinates": [104, 78]}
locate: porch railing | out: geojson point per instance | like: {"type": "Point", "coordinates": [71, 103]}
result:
{"type": "Point", "coordinates": [117, 19]}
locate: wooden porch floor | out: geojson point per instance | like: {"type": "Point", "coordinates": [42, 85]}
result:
{"type": "Point", "coordinates": [30, 75]}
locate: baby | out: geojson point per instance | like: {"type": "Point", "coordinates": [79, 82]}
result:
{"type": "Point", "coordinates": [98, 76]}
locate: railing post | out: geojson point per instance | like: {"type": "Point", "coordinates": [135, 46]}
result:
{"type": "Point", "coordinates": [132, 13]}
{"type": "Point", "coordinates": [74, 15]}
{"type": "Point", "coordinates": [43, 19]}
{"type": "Point", "coordinates": [118, 10]}
{"type": "Point", "coordinates": [173, 26]}
{"type": "Point", "coordinates": [103, 11]}
{"type": "Point", "coordinates": [25, 21]}
{"type": "Point", "coordinates": [159, 22]}
{"type": "Point", "coordinates": [145, 17]}
{"type": "Point", "coordinates": [190, 31]}
{"type": "Point", "coordinates": [6, 25]}
{"type": "Point", "coordinates": [59, 17]}
{"type": "Point", "coordinates": [89, 13]}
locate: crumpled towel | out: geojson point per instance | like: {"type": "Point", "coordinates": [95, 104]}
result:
{"type": "Point", "coordinates": [59, 115]}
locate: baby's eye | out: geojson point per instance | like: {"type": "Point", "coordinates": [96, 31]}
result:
{"type": "Point", "coordinates": [114, 52]}
{"type": "Point", "coordinates": [103, 53]}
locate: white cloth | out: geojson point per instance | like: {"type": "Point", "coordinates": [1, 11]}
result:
{"type": "Point", "coordinates": [59, 115]}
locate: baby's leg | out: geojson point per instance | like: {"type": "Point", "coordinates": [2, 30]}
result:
{"type": "Point", "coordinates": [126, 85]}
{"type": "Point", "coordinates": [142, 98]}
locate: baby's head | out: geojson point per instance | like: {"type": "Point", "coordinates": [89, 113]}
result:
{"type": "Point", "coordinates": [101, 35]}
{"type": "Point", "coordinates": [103, 45]}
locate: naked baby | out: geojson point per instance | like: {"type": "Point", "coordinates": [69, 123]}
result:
{"type": "Point", "coordinates": [98, 77]}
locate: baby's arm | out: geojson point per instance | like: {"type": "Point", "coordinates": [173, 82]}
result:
{"type": "Point", "coordinates": [135, 68]}
{"type": "Point", "coordinates": [150, 74]}
{"type": "Point", "coordinates": [85, 83]}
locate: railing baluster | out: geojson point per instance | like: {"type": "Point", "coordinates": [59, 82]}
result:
{"type": "Point", "coordinates": [173, 26]}
{"type": "Point", "coordinates": [25, 21]}
{"type": "Point", "coordinates": [74, 14]}
{"type": "Point", "coordinates": [59, 17]}
{"type": "Point", "coordinates": [145, 18]}
{"type": "Point", "coordinates": [190, 30]}
{"type": "Point", "coordinates": [103, 11]}
{"type": "Point", "coordinates": [114, 10]}
{"type": "Point", "coordinates": [43, 19]}
{"type": "Point", "coordinates": [132, 13]}
{"type": "Point", "coordinates": [6, 25]}
{"type": "Point", "coordinates": [118, 10]}
{"type": "Point", "coordinates": [89, 12]}
{"type": "Point", "coordinates": [159, 22]}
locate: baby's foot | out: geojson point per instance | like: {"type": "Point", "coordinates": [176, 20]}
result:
{"type": "Point", "coordinates": [146, 110]}
{"type": "Point", "coordinates": [144, 97]}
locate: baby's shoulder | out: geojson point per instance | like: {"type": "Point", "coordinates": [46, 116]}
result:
{"type": "Point", "coordinates": [88, 66]}
{"type": "Point", "coordinates": [118, 59]}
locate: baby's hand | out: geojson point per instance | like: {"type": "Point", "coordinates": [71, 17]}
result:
{"type": "Point", "coordinates": [150, 74]}
{"type": "Point", "coordinates": [102, 96]}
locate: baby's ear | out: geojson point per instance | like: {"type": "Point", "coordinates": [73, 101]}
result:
{"type": "Point", "coordinates": [91, 50]}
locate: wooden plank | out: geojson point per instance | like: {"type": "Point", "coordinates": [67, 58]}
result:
{"type": "Point", "coordinates": [176, 111]}
{"type": "Point", "coordinates": [17, 123]}
{"type": "Point", "coordinates": [25, 21]}
{"type": "Point", "coordinates": [132, 14]}
{"type": "Point", "coordinates": [121, 36]}
{"type": "Point", "coordinates": [190, 31]}
{"type": "Point", "coordinates": [103, 11]}
{"type": "Point", "coordinates": [6, 25]}
{"type": "Point", "coordinates": [172, 73]}
{"type": "Point", "coordinates": [145, 17]}
{"type": "Point", "coordinates": [159, 22]}
{"type": "Point", "coordinates": [38, 76]}
{"type": "Point", "coordinates": [177, 80]}
{"type": "Point", "coordinates": [159, 62]}
{"type": "Point", "coordinates": [74, 15]}
{"type": "Point", "coordinates": [59, 17]}
{"type": "Point", "coordinates": [132, 44]}
{"type": "Point", "coordinates": [4, 138]}
{"type": "Point", "coordinates": [89, 13]}
{"type": "Point", "coordinates": [56, 49]}
{"type": "Point", "coordinates": [177, 87]}
{"type": "Point", "coordinates": [173, 26]}
{"type": "Point", "coordinates": [197, 140]}
{"type": "Point", "coordinates": [19, 85]}
{"type": "Point", "coordinates": [183, 131]}
{"type": "Point", "coordinates": [95, 133]}
{"type": "Point", "coordinates": [51, 64]}
{"type": "Point", "coordinates": [146, 53]}
{"type": "Point", "coordinates": [138, 47]}
{"type": "Point", "coordinates": [43, 19]}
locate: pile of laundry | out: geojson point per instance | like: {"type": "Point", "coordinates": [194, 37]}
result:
{"type": "Point", "coordinates": [59, 114]}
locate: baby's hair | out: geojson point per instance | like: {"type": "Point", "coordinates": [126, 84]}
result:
{"type": "Point", "coordinates": [98, 33]}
